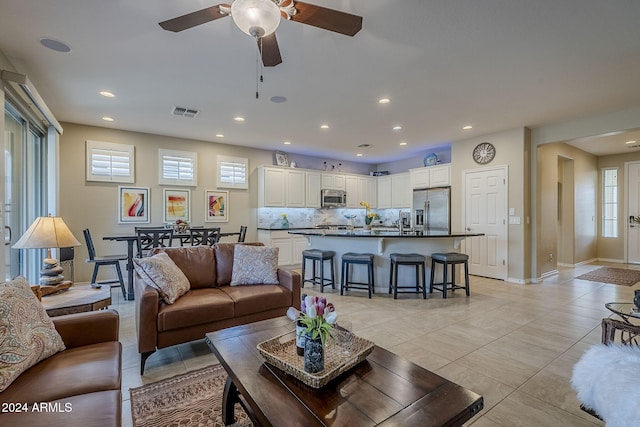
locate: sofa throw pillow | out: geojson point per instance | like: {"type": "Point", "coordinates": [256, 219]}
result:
{"type": "Point", "coordinates": [253, 265]}
{"type": "Point", "coordinates": [27, 334]}
{"type": "Point", "coordinates": [163, 274]}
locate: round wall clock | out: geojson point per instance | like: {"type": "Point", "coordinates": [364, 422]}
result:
{"type": "Point", "coordinates": [484, 153]}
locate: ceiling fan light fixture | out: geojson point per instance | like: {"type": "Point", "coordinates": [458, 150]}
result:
{"type": "Point", "coordinates": [257, 18]}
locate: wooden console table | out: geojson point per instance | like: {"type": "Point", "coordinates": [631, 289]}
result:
{"type": "Point", "coordinates": [77, 299]}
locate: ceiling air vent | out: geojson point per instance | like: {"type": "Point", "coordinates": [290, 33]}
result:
{"type": "Point", "coordinates": [185, 112]}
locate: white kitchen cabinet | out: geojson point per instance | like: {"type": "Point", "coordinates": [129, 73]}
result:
{"type": "Point", "coordinates": [290, 247]}
{"type": "Point", "coordinates": [281, 187]}
{"type": "Point", "coordinates": [333, 181]}
{"type": "Point", "coordinates": [401, 193]}
{"type": "Point", "coordinates": [313, 183]}
{"type": "Point", "coordinates": [295, 186]}
{"type": "Point", "coordinates": [430, 176]}
{"type": "Point", "coordinates": [271, 191]}
{"type": "Point", "coordinates": [383, 192]}
{"type": "Point", "coordinates": [367, 191]}
{"type": "Point", "coordinates": [351, 186]}
{"type": "Point", "coordinates": [298, 244]}
{"type": "Point", "coordinates": [439, 176]}
{"type": "Point", "coordinates": [419, 178]}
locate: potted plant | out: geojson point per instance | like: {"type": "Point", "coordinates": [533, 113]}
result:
{"type": "Point", "coordinates": [318, 317]}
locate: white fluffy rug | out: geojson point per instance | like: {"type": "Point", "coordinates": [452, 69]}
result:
{"type": "Point", "coordinates": [607, 379]}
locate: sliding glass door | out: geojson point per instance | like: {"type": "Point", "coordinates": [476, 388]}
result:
{"type": "Point", "coordinates": [25, 154]}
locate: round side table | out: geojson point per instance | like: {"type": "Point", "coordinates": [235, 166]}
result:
{"type": "Point", "coordinates": [626, 310]}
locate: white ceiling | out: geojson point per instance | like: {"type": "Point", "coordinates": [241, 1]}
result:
{"type": "Point", "coordinates": [444, 64]}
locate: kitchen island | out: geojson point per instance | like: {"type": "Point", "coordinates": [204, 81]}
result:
{"type": "Point", "coordinates": [382, 244]}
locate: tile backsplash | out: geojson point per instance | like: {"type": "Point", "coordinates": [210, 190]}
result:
{"type": "Point", "coordinates": [308, 218]}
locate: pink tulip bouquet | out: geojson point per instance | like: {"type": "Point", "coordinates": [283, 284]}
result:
{"type": "Point", "coordinates": [318, 317]}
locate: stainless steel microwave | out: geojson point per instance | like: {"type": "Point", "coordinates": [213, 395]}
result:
{"type": "Point", "coordinates": [333, 198]}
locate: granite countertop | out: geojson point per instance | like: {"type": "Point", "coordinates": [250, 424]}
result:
{"type": "Point", "coordinates": [280, 228]}
{"type": "Point", "coordinates": [378, 234]}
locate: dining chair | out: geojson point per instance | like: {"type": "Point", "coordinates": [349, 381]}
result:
{"type": "Point", "coordinates": [149, 238]}
{"type": "Point", "coordinates": [99, 261]}
{"type": "Point", "coordinates": [205, 236]}
{"type": "Point", "coordinates": [243, 233]}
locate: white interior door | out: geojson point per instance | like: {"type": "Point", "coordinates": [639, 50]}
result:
{"type": "Point", "coordinates": [633, 209]}
{"type": "Point", "coordinates": [486, 212]}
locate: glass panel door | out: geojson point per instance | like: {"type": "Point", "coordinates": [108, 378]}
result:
{"type": "Point", "coordinates": [25, 192]}
{"type": "Point", "coordinates": [13, 137]}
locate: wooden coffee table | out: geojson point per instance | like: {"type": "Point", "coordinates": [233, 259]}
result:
{"type": "Point", "coordinates": [384, 390]}
{"type": "Point", "coordinates": [77, 299]}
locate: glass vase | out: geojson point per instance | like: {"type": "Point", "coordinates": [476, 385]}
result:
{"type": "Point", "coordinates": [313, 355]}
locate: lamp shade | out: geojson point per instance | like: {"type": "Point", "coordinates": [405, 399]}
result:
{"type": "Point", "coordinates": [257, 18]}
{"type": "Point", "coordinates": [47, 232]}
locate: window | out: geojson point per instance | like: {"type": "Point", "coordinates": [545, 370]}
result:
{"type": "Point", "coordinates": [233, 172]}
{"type": "Point", "coordinates": [178, 167]}
{"type": "Point", "coordinates": [110, 162]}
{"type": "Point", "coordinates": [610, 202]}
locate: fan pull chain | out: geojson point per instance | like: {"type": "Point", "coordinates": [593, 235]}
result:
{"type": "Point", "coordinates": [259, 78]}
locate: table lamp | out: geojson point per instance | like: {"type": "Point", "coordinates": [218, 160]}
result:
{"type": "Point", "coordinates": [48, 232]}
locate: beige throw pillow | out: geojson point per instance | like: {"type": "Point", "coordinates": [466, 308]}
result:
{"type": "Point", "coordinates": [27, 334]}
{"type": "Point", "coordinates": [253, 265]}
{"type": "Point", "coordinates": [163, 274]}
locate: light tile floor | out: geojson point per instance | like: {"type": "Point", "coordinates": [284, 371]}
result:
{"type": "Point", "coordinates": [514, 344]}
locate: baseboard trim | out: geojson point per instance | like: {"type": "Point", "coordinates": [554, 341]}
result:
{"type": "Point", "coordinates": [616, 261]}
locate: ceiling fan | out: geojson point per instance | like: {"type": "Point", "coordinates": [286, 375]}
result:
{"type": "Point", "coordinates": [260, 18]}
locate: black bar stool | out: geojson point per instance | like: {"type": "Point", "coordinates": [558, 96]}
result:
{"type": "Point", "coordinates": [416, 260]}
{"type": "Point", "coordinates": [355, 258]}
{"type": "Point", "coordinates": [449, 259]}
{"type": "Point", "coordinates": [319, 256]}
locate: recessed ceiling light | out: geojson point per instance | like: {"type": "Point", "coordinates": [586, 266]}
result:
{"type": "Point", "coordinates": [219, 135]}
{"type": "Point", "coordinates": [324, 126]}
{"type": "Point", "coordinates": [107, 94]}
{"type": "Point", "coordinates": [630, 142]}
{"type": "Point", "coordinates": [397, 128]}
{"type": "Point", "coordinates": [359, 154]}
{"type": "Point", "coordinates": [384, 101]}
{"type": "Point", "coordinates": [403, 143]}
{"type": "Point", "coordinates": [287, 142]}
{"type": "Point", "coordinates": [238, 119]}
{"type": "Point", "coordinates": [108, 119]}
{"type": "Point", "coordinates": [467, 127]}
{"type": "Point", "coordinates": [54, 44]}
{"type": "Point", "coordinates": [278, 99]}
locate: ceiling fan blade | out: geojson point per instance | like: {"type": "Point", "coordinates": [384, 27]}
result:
{"type": "Point", "coordinates": [270, 51]}
{"type": "Point", "coordinates": [327, 19]}
{"type": "Point", "coordinates": [193, 19]}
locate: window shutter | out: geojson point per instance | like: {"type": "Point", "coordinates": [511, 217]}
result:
{"type": "Point", "coordinates": [178, 167]}
{"type": "Point", "coordinates": [233, 172]}
{"type": "Point", "coordinates": [110, 162]}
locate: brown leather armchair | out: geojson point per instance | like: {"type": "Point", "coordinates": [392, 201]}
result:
{"type": "Point", "coordinates": [77, 386]}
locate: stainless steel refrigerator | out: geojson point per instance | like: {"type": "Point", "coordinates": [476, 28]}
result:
{"type": "Point", "coordinates": [431, 210]}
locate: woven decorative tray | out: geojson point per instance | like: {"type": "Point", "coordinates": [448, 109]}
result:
{"type": "Point", "coordinates": [281, 353]}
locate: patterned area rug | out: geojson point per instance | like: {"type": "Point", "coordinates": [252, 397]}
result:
{"type": "Point", "coordinates": [186, 400]}
{"type": "Point", "coordinates": [617, 276]}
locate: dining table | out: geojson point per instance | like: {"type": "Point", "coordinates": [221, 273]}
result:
{"type": "Point", "coordinates": [132, 238]}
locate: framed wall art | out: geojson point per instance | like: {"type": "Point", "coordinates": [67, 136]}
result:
{"type": "Point", "coordinates": [177, 205]}
{"type": "Point", "coordinates": [282, 159]}
{"type": "Point", "coordinates": [216, 204]}
{"type": "Point", "coordinates": [133, 205]}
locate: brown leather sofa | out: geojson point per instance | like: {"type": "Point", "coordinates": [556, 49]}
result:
{"type": "Point", "coordinates": [79, 386]}
{"type": "Point", "coordinates": [211, 303]}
